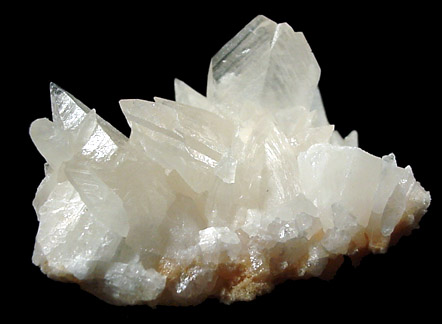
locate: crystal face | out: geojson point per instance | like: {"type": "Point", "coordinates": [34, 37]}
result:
{"type": "Point", "coordinates": [222, 195]}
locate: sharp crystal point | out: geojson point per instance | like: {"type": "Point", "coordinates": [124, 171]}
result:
{"type": "Point", "coordinates": [219, 195]}
{"type": "Point", "coordinates": [265, 64]}
{"type": "Point", "coordinates": [67, 111]}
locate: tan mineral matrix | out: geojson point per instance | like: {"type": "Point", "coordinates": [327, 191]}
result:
{"type": "Point", "coordinates": [217, 196]}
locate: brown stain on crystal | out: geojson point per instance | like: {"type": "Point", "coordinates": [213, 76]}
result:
{"type": "Point", "coordinates": [241, 281]}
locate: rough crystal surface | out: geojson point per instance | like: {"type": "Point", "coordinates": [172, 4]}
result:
{"type": "Point", "coordinates": [215, 196]}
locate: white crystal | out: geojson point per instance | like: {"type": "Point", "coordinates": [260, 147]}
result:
{"type": "Point", "coordinates": [219, 195]}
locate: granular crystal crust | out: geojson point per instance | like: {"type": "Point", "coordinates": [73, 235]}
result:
{"type": "Point", "coordinates": [222, 195]}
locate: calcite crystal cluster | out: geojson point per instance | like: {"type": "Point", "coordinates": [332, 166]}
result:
{"type": "Point", "coordinates": [222, 195]}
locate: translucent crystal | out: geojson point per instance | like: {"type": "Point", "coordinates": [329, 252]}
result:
{"type": "Point", "coordinates": [219, 195]}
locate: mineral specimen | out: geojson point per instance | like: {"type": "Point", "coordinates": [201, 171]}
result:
{"type": "Point", "coordinates": [221, 195]}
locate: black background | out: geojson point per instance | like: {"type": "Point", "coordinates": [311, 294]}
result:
{"type": "Point", "coordinates": [377, 63]}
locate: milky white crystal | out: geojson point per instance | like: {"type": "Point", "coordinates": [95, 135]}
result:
{"type": "Point", "coordinates": [214, 196]}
